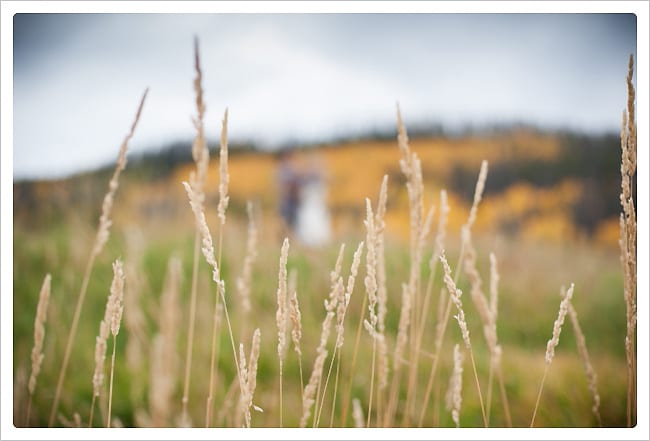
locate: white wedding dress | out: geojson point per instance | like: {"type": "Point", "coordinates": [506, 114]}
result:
{"type": "Point", "coordinates": [313, 220]}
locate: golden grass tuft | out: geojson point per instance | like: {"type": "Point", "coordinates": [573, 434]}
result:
{"type": "Point", "coordinates": [39, 336]}
{"type": "Point", "coordinates": [454, 394]}
{"type": "Point", "coordinates": [552, 344]}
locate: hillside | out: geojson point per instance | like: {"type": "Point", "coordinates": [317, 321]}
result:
{"type": "Point", "coordinates": [549, 186]}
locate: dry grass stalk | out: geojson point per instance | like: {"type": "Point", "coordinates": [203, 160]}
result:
{"type": "Point", "coordinates": [164, 365]}
{"type": "Point", "coordinates": [454, 394]}
{"type": "Point", "coordinates": [370, 283]}
{"type": "Point", "coordinates": [244, 280]}
{"type": "Point", "coordinates": [100, 357]}
{"type": "Point", "coordinates": [336, 295]}
{"type": "Point", "coordinates": [412, 169]}
{"type": "Point", "coordinates": [100, 240]}
{"type": "Point", "coordinates": [248, 377]}
{"type": "Point", "coordinates": [200, 152]}
{"type": "Point", "coordinates": [381, 298]}
{"type": "Point", "coordinates": [110, 324]}
{"type": "Point", "coordinates": [105, 328]}
{"type": "Point", "coordinates": [244, 412]}
{"type": "Point", "coordinates": [411, 322]}
{"type": "Point", "coordinates": [590, 373]}
{"type": "Point", "coordinates": [439, 244]}
{"type": "Point", "coordinates": [455, 296]}
{"type": "Point", "coordinates": [382, 295]}
{"type": "Point", "coordinates": [478, 297]}
{"type": "Point", "coordinates": [343, 301]}
{"type": "Point", "coordinates": [281, 313]}
{"type": "Point", "coordinates": [207, 246]}
{"type": "Point", "coordinates": [296, 322]}
{"type": "Point", "coordinates": [214, 352]}
{"type": "Point", "coordinates": [208, 251]}
{"type": "Point", "coordinates": [557, 326]}
{"type": "Point", "coordinates": [312, 389]}
{"type": "Point", "coordinates": [252, 367]}
{"type": "Point", "coordinates": [443, 317]}
{"type": "Point", "coordinates": [221, 211]}
{"type": "Point", "coordinates": [484, 309]}
{"type": "Point", "coordinates": [496, 355]}
{"type": "Point", "coordinates": [224, 178]}
{"type": "Point", "coordinates": [627, 239]}
{"type": "Point", "coordinates": [309, 396]}
{"type": "Point", "coordinates": [201, 156]}
{"type": "Point", "coordinates": [117, 292]}
{"type": "Point", "coordinates": [552, 344]}
{"type": "Point", "coordinates": [478, 193]}
{"type": "Point", "coordinates": [39, 332]}
{"type": "Point", "coordinates": [380, 226]}
{"type": "Point", "coordinates": [39, 336]}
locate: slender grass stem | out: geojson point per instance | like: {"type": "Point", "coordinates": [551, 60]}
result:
{"type": "Point", "coordinates": [348, 395]}
{"type": "Point", "coordinates": [110, 389]}
{"type": "Point", "coordinates": [504, 397]}
{"type": "Point", "coordinates": [281, 406]}
{"type": "Point", "coordinates": [372, 379]}
{"type": "Point", "coordinates": [92, 411]}
{"type": "Point", "coordinates": [478, 389]}
{"type": "Point", "coordinates": [322, 401]}
{"type": "Point", "coordinates": [434, 365]}
{"type": "Point", "coordinates": [336, 386]}
{"type": "Point", "coordinates": [190, 332]}
{"type": "Point", "coordinates": [539, 396]}
{"type": "Point", "coordinates": [71, 337]}
{"type": "Point", "coordinates": [489, 391]}
{"type": "Point", "coordinates": [215, 327]}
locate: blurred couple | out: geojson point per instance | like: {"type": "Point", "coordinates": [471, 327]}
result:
{"type": "Point", "coordinates": [303, 199]}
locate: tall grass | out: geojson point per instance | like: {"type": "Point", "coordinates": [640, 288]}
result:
{"type": "Point", "coordinates": [100, 240]}
{"type": "Point", "coordinates": [201, 156]}
{"type": "Point", "coordinates": [628, 239]}
{"type": "Point", "coordinates": [39, 337]}
{"type": "Point", "coordinates": [389, 375]}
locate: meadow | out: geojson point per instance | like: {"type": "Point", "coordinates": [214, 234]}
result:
{"type": "Point", "coordinates": [514, 242]}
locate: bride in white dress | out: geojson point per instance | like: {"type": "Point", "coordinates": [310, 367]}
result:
{"type": "Point", "coordinates": [313, 218]}
{"type": "Point", "coordinates": [303, 199]}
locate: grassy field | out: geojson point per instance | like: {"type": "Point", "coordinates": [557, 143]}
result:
{"type": "Point", "coordinates": [532, 272]}
{"type": "Point", "coordinates": [534, 222]}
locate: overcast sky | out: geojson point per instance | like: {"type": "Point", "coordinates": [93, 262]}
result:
{"type": "Point", "coordinates": [78, 78]}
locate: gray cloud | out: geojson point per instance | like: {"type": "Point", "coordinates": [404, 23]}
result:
{"type": "Point", "coordinates": [78, 78]}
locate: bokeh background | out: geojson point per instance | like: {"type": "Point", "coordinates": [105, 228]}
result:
{"type": "Point", "coordinates": [539, 96]}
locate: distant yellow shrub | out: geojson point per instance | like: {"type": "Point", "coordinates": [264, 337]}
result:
{"type": "Point", "coordinates": [608, 233]}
